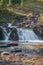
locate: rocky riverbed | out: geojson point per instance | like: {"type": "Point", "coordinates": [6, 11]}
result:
{"type": "Point", "coordinates": [23, 54]}
{"type": "Point", "coordinates": [24, 58]}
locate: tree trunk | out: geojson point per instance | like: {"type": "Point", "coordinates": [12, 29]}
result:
{"type": "Point", "coordinates": [21, 3]}
{"type": "Point", "coordinates": [10, 2]}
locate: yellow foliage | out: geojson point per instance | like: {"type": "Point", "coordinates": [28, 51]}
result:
{"type": "Point", "coordinates": [40, 0]}
{"type": "Point", "coordinates": [41, 17]}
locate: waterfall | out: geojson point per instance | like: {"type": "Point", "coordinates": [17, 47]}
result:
{"type": "Point", "coordinates": [7, 34]}
{"type": "Point", "coordinates": [4, 35]}
{"type": "Point", "coordinates": [19, 34]}
{"type": "Point", "coordinates": [26, 34]}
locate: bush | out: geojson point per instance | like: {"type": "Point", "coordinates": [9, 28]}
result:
{"type": "Point", "coordinates": [6, 16]}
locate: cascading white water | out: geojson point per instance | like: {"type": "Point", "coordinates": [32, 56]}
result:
{"type": "Point", "coordinates": [6, 34]}
{"type": "Point", "coordinates": [26, 34]}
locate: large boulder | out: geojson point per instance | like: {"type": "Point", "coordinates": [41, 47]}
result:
{"type": "Point", "coordinates": [2, 36]}
{"type": "Point", "coordinates": [39, 31]}
{"type": "Point", "coordinates": [14, 36]}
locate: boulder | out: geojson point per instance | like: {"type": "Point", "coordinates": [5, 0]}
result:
{"type": "Point", "coordinates": [2, 36]}
{"type": "Point", "coordinates": [14, 36]}
{"type": "Point", "coordinates": [39, 31]}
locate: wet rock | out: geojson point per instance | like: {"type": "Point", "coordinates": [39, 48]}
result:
{"type": "Point", "coordinates": [17, 50]}
{"type": "Point", "coordinates": [30, 52]}
{"type": "Point", "coordinates": [40, 51]}
{"type": "Point", "coordinates": [14, 35]}
{"type": "Point", "coordinates": [2, 36]}
{"type": "Point", "coordinates": [33, 52]}
{"type": "Point", "coordinates": [3, 24]}
{"type": "Point", "coordinates": [17, 22]}
{"type": "Point", "coordinates": [39, 31]}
